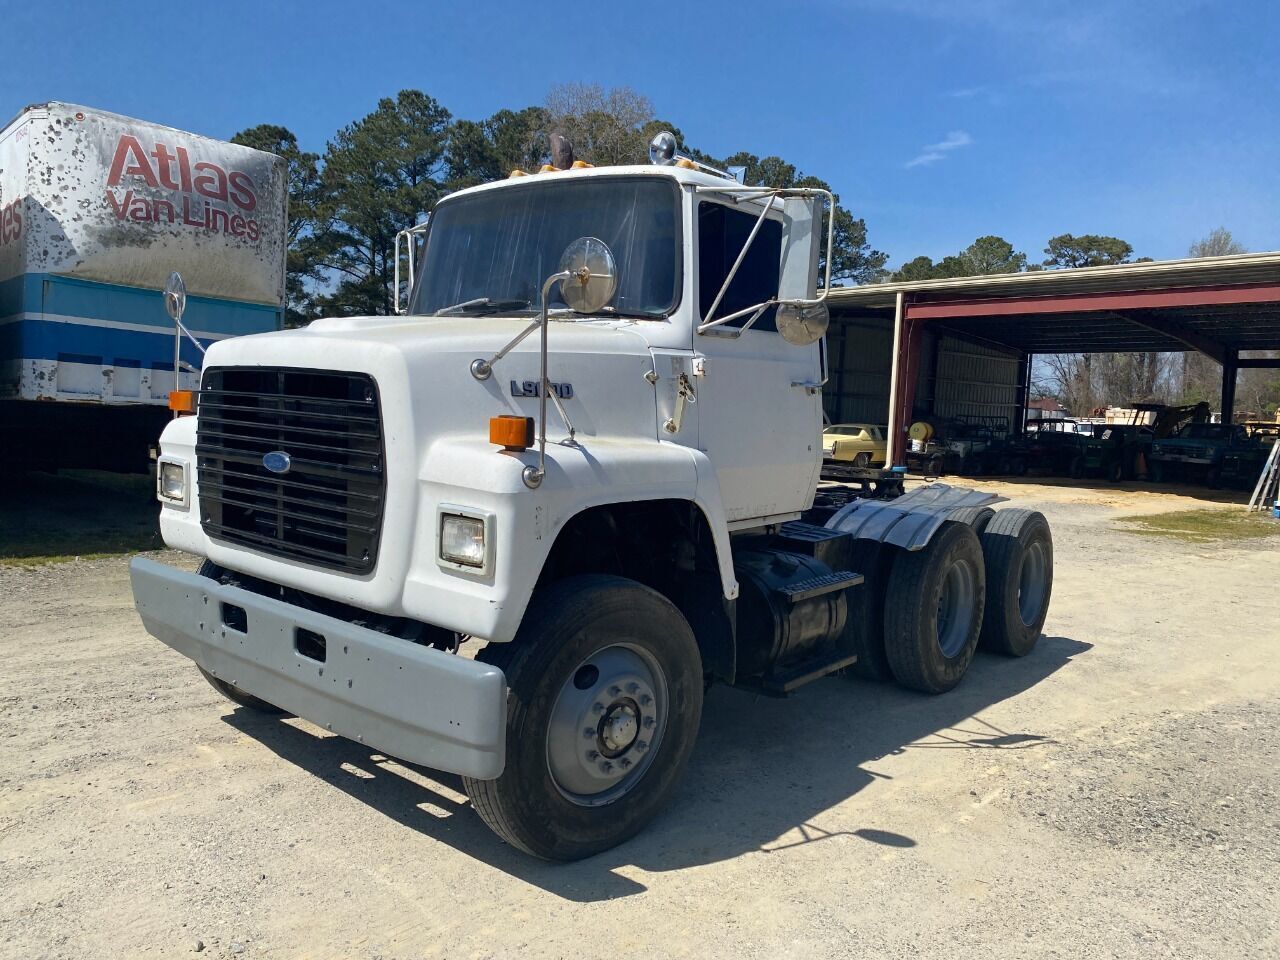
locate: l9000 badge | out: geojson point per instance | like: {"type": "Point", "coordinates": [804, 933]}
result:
{"type": "Point", "coordinates": [530, 388]}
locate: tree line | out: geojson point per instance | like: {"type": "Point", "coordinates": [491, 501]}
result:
{"type": "Point", "coordinates": [386, 171]}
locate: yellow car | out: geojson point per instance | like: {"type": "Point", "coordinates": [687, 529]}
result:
{"type": "Point", "coordinates": [862, 444]}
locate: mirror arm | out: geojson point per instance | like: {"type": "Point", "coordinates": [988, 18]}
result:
{"type": "Point", "coordinates": [742, 255]}
{"type": "Point", "coordinates": [531, 475]}
{"type": "Point", "coordinates": [756, 311]}
{"type": "Point", "coordinates": [482, 369]}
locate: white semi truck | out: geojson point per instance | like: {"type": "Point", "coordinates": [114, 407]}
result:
{"type": "Point", "coordinates": [600, 467]}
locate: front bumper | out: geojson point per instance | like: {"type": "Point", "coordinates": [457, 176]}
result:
{"type": "Point", "coordinates": [408, 701]}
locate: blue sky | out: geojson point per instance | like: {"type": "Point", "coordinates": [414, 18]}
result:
{"type": "Point", "coordinates": [936, 120]}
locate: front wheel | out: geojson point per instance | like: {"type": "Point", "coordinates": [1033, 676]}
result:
{"type": "Point", "coordinates": [239, 697]}
{"type": "Point", "coordinates": [604, 701]}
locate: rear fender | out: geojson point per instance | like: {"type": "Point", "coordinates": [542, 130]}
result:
{"type": "Point", "coordinates": [910, 521]}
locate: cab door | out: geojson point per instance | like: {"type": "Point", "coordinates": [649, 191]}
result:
{"type": "Point", "coordinates": [758, 397]}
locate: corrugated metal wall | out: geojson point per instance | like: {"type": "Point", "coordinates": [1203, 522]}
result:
{"type": "Point", "coordinates": [967, 380]}
{"type": "Point", "coordinates": [971, 381]}
{"type": "Point", "coordinates": [857, 388]}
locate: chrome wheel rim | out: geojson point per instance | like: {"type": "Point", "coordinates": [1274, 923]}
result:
{"type": "Point", "coordinates": [606, 725]}
{"type": "Point", "coordinates": [955, 608]}
{"type": "Point", "coordinates": [1032, 583]}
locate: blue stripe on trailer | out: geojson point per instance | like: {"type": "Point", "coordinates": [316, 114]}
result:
{"type": "Point", "coordinates": [48, 317]}
{"type": "Point", "coordinates": [82, 343]}
{"type": "Point", "coordinates": [70, 297]}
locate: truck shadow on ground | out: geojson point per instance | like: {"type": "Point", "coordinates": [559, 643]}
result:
{"type": "Point", "coordinates": [762, 775]}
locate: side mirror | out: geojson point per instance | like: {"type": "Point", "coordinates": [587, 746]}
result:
{"type": "Point", "coordinates": [592, 275]}
{"type": "Point", "coordinates": [175, 297]}
{"type": "Point", "coordinates": [803, 325]}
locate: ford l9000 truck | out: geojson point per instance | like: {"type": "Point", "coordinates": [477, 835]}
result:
{"type": "Point", "coordinates": [590, 447]}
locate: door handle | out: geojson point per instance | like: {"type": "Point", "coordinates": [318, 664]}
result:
{"type": "Point", "coordinates": [809, 386]}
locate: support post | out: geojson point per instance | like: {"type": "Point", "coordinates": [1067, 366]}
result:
{"type": "Point", "coordinates": [908, 377]}
{"type": "Point", "coordinates": [1018, 425]}
{"type": "Point", "coordinates": [1229, 368]}
{"type": "Point", "coordinates": [896, 450]}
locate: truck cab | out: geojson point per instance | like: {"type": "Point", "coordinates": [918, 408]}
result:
{"type": "Point", "coordinates": [591, 443]}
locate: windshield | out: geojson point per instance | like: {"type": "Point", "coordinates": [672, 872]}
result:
{"type": "Point", "coordinates": [492, 251]}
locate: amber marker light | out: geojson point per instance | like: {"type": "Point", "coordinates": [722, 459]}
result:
{"type": "Point", "coordinates": [511, 432]}
{"type": "Point", "coordinates": [183, 402]}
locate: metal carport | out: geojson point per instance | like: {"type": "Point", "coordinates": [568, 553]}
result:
{"type": "Point", "coordinates": [1219, 306]}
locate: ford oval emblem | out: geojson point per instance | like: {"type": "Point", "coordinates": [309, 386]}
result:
{"type": "Point", "coordinates": [277, 461]}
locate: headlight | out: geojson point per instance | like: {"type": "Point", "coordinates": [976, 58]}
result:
{"type": "Point", "coordinates": [171, 482]}
{"type": "Point", "coordinates": [462, 540]}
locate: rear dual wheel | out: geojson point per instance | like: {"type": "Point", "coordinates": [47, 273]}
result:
{"type": "Point", "coordinates": [1017, 550]}
{"type": "Point", "coordinates": [933, 610]}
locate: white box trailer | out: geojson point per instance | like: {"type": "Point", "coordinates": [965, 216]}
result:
{"type": "Point", "coordinates": [96, 210]}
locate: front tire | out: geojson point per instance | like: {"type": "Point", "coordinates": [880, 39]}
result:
{"type": "Point", "coordinates": [604, 700]}
{"type": "Point", "coordinates": [239, 697]}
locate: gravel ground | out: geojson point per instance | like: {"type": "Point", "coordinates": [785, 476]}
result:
{"type": "Point", "coordinates": [1112, 795]}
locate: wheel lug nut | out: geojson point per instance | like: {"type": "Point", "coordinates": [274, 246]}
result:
{"type": "Point", "coordinates": [592, 755]}
{"type": "Point", "coordinates": [624, 763]}
{"type": "Point", "coordinates": [606, 767]}
{"type": "Point", "coordinates": [615, 691]}
{"type": "Point", "coordinates": [589, 733]}
{"type": "Point", "coordinates": [597, 708]}
{"type": "Point", "coordinates": [642, 745]}
{"type": "Point", "coordinates": [646, 700]}
{"type": "Point", "coordinates": [649, 722]}
{"type": "Point", "coordinates": [633, 687]}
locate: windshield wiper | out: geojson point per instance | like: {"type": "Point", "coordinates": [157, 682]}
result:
{"type": "Point", "coordinates": [613, 312]}
{"type": "Point", "coordinates": [482, 305]}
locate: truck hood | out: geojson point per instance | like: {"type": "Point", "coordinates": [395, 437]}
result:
{"type": "Point", "coordinates": [422, 365]}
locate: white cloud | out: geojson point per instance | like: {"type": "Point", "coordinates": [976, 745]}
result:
{"type": "Point", "coordinates": [938, 151]}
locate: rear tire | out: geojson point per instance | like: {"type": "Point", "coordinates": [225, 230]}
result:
{"type": "Point", "coordinates": [864, 628]}
{"type": "Point", "coordinates": [975, 517]}
{"type": "Point", "coordinates": [933, 610]}
{"type": "Point", "coordinates": [580, 780]}
{"type": "Point", "coordinates": [1115, 472]}
{"type": "Point", "coordinates": [1017, 547]}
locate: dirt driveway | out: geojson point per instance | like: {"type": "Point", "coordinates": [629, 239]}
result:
{"type": "Point", "coordinates": [1114, 794]}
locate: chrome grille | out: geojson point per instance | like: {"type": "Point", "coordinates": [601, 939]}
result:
{"type": "Point", "coordinates": [325, 506]}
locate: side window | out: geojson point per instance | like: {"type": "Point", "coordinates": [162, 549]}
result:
{"type": "Point", "coordinates": [722, 232]}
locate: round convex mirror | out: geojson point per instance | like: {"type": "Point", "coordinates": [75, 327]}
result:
{"type": "Point", "coordinates": [662, 148]}
{"type": "Point", "coordinates": [803, 325]}
{"type": "Point", "coordinates": [175, 296]}
{"type": "Point", "coordinates": [593, 275]}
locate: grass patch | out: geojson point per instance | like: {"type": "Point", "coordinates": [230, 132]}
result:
{"type": "Point", "coordinates": [48, 518]}
{"type": "Point", "coordinates": [1204, 526]}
